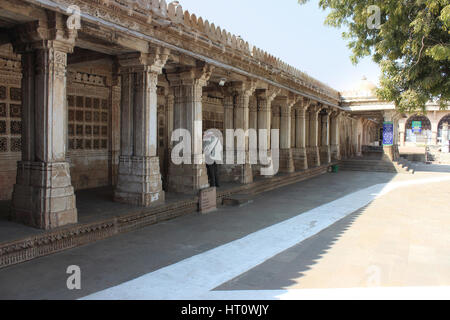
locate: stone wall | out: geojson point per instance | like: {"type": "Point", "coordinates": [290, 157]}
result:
{"type": "Point", "coordinates": [89, 125]}
{"type": "Point", "coordinates": [10, 119]}
{"type": "Point", "coordinates": [213, 114]}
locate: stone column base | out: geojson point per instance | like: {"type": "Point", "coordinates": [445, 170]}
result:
{"type": "Point", "coordinates": [236, 173]}
{"type": "Point", "coordinates": [325, 154]}
{"type": "Point", "coordinates": [246, 176]}
{"type": "Point", "coordinates": [389, 153]}
{"type": "Point", "coordinates": [286, 161]}
{"type": "Point", "coordinates": [139, 182]}
{"type": "Point", "coordinates": [396, 152]}
{"type": "Point", "coordinates": [187, 178]}
{"type": "Point", "coordinates": [335, 152]}
{"type": "Point", "coordinates": [313, 157]}
{"type": "Point", "coordinates": [242, 173]}
{"type": "Point", "coordinates": [300, 159]}
{"type": "Point", "coordinates": [257, 168]}
{"type": "Point", "coordinates": [228, 173]}
{"type": "Point", "coordinates": [43, 195]}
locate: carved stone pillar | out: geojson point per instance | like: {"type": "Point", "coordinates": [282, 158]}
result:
{"type": "Point", "coordinates": [299, 154]}
{"type": "Point", "coordinates": [402, 138]}
{"type": "Point", "coordinates": [43, 195]}
{"type": "Point", "coordinates": [293, 127]}
{"type": "Point", "coordinates": [189, 177]}
{"type": "Point", "coordinates": [139, 181]}
{"type": "Point", "coordinates": [226, 170]}
{"type": "Point", "coordinates": [115, 129]}
{"type": "Point", "coordinates": [335, 136]}
{"type": "Point", "coordinates": [313, 150]}
{"type": "Point", "coordinates": [445, 139]}
{"type": "Point", "coordinates": [169, 130]}
{"type": "Point", "coordinates": [241, 121]}
{"type": "Point", "coordinates": [286, 154]}
{"type": "Point", "coordinates": [169, 117]}
{"type": "Point", "coordinates": [325, 154]}
{"type": "Point", "coordinates": [434, 132]}
{"type": "Point", "coordinates": [276, 115]}
{"type": "Point", "coordinates": [265, 98]}
{"type": "Point", "coordinates": [253, 125]}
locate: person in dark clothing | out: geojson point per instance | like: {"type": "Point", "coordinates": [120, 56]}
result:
{"type": "Point", "coordinates": [213, 176]}
{"type": "Point", "coordinates": [212, 148]}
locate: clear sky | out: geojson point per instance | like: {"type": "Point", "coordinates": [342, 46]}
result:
{"type": "Point", "coordinates": [294, 33]}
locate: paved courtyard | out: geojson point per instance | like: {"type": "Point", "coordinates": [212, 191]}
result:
{"type": "Point", "coordinates": [345, 230]}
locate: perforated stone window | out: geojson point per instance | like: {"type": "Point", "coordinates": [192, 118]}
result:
{"type": "Point", "coordinates": [2, 92]}
{"type": "Point", "coordinates": [213, 120]}
{"type": "Point", "coordinates": [10, 119]}
{"type": "Point", "coordinates": [88, 123]}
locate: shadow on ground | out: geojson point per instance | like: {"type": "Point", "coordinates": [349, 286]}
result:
{"type": "Point", "coordinates": [287, 268]}
{"type": "Point", "coordinates": [125, 257]}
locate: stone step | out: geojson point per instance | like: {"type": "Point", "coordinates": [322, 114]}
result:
{"type": "Point", "coordinates": [278, 182]}
{"type": "Point", "coordinates": [387, 167]}
{"type": "Point", "coordinates": [374, 167]}
{"type": "Point", "coordinates": [368, 162]}
{"type": "Point", "coordinates": [369, 170]}
{"type": "Point", "coordinates": [401, 166]}
{"type": "Point", "coordinates": [237, 200]}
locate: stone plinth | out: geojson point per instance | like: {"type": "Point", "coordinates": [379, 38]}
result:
{"type": "Point", "coordinates": [389, 152]}
{"type": "Point", "coordinates": [335, 151]}
{"type": "Point", "coordinates": [300, 158]}
{"type": "Point", "coordinates": [313, 155]}
{"type": "Point", "coordinates": [325, 154]}
{"type": "Point", "coordinates": [188, 178]}
{"type": "Point", "coordinates": [139, 181]}
{"type": "Point", "coordinates": [242, 173]}
{"type": "Point", "coordinates": [286, 161]}
{"type": "Point", "coordinates": [43, 196]}
{"type": "Point", "coordinates": [246, 176]}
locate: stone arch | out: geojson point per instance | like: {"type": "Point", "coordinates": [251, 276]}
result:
{"type": "Point", "coordinates": [444, 119]}
{"type": "Point", "coordinates": [422, 136]}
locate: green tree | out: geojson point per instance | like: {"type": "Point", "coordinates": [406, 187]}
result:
{"type": "Point", "coordinates": [411, 44]}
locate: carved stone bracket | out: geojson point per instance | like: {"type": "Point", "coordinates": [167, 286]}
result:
{"type": "Point", "coordinates": [154, 61]}
{"type": "Point", "coordinates": [51, 33]}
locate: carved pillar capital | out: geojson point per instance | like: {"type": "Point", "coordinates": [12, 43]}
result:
{"type": "Point", "coordinates": [246, 88]}
{"type": "Point", "coordinates": [335, 114]}
{"type": "Point", "coordinates": [314, 109]}
{"type": "Point", "coordinates": [152, 62]}
{"type": "Point", "coordinates": [196, 76]}
{"type": "Point", "coordinates": [268, 94]}
{"type": "Point", "coordinates": [51, 33]}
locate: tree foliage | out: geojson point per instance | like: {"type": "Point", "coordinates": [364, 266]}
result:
{"type": "Point", "coordinates": [411, 44]}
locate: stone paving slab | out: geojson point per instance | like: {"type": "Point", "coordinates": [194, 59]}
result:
{"type": "Point", "coordinates": [125, 257]}
{"type": "Point", "coordinates": [400, 239]}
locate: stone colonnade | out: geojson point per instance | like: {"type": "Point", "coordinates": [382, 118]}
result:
{"type": "Point", "coordinates": [310, 133]}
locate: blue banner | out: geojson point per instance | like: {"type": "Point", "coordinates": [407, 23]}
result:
{"type": "Point", "coordinates": [388, 134]}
